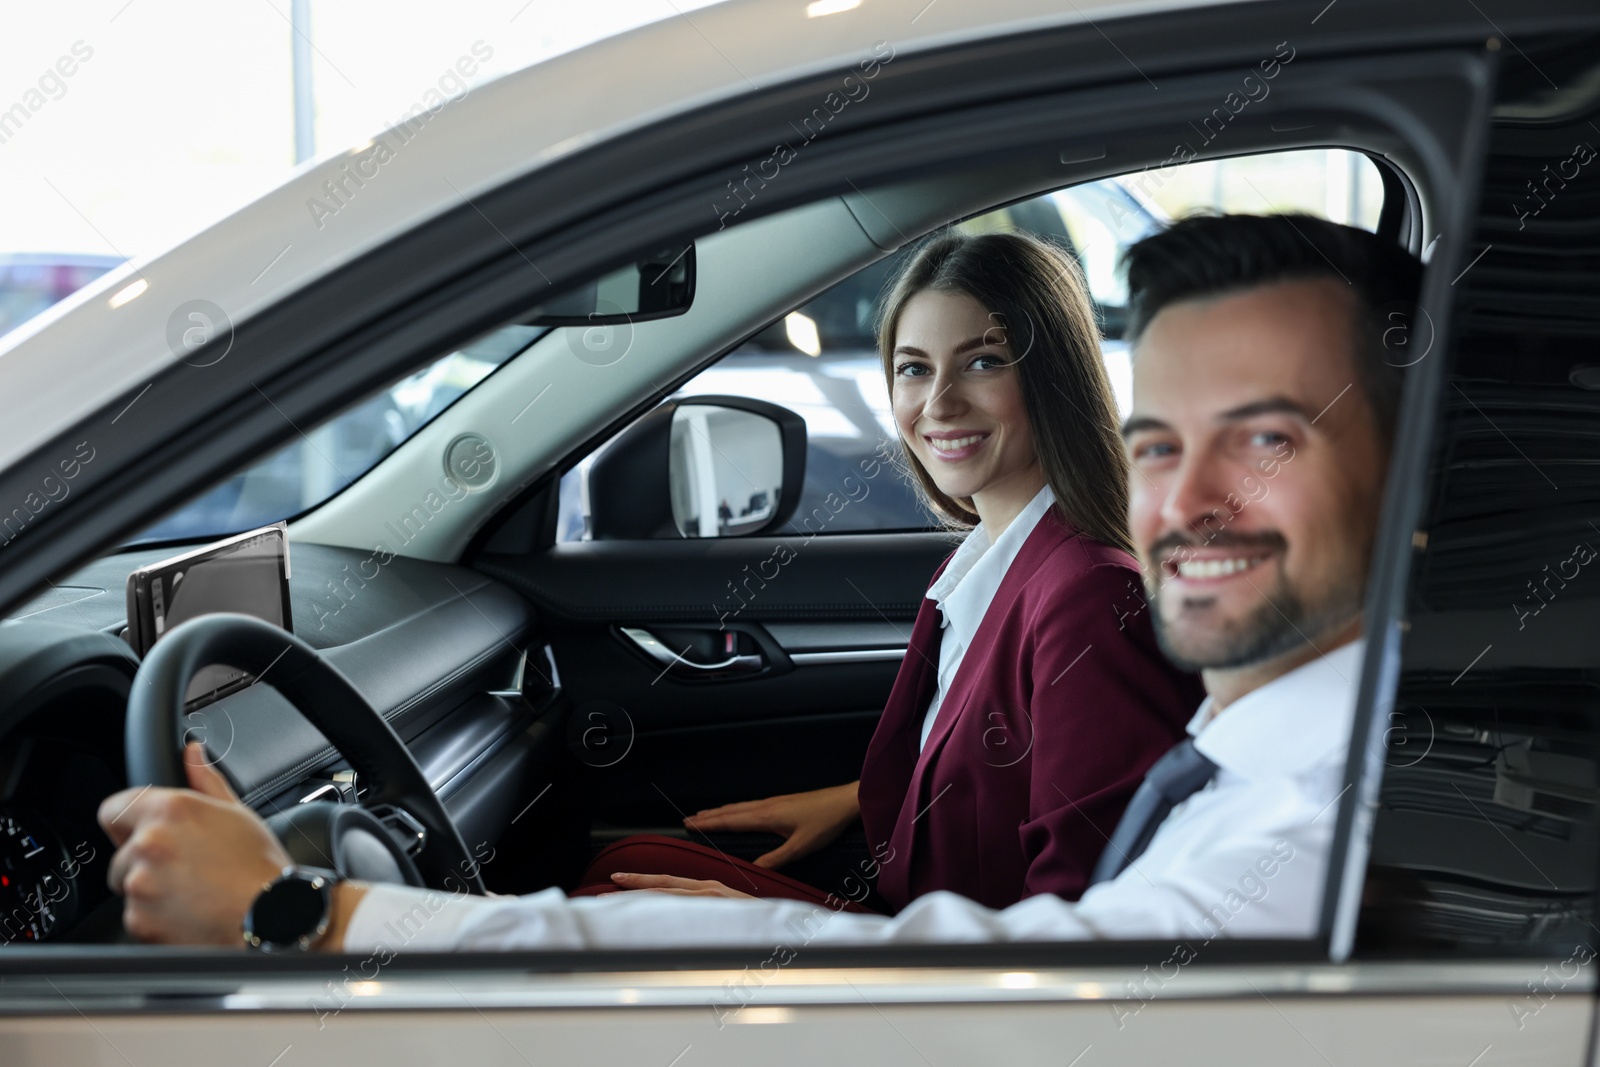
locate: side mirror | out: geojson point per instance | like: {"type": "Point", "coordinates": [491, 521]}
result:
{"type": "Point", "coordinates": [700, 466]}
{"type": "Point", "coordinates": [656, 286]}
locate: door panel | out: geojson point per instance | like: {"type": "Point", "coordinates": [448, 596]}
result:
{"type": "Point", "coordinates": [819, 623]}
{"type": "Point", "coordinates": [729, 579]}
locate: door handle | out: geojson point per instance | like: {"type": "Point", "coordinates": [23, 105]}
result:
{"type": "Point", "coordinates": [675, 664]}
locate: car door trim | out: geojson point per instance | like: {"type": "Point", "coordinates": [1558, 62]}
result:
{"type": "Point", "coordinates": [466, 983]}
{"type": "Point", "coordinates": [849, 655]}
{"type": "Point", "coordinates": [1455, 193]}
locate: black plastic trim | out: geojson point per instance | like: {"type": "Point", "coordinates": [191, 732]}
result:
{"type": "Point", "coordinates": [1403, 501]}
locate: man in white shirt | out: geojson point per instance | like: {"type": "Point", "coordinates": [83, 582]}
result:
{"type": "Point", "coordinates": [1263, 413]}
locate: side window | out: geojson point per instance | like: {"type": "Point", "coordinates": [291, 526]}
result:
{"type": "Point", "coordinates": [821, 360]}
{"type": "Point", "coordinates": [1487, 828]}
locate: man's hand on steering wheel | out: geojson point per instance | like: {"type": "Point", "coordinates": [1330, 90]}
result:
{"type": "Point", "coordinates": [190, 862]}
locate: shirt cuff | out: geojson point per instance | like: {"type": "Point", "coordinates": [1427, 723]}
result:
{"type": "Point", "coordinates": [393, 917]}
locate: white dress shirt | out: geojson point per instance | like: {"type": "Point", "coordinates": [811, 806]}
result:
{"type": "Point", "coordinates": [1245, 856]}
{"type": "Point", "coordinates": [966, 588]}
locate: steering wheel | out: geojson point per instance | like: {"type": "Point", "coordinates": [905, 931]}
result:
{"type": "Point", "coordinates": [357, 841]}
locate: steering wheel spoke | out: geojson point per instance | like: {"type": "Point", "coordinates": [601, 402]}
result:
{"type": "Point", "coordinates": [344, 838]}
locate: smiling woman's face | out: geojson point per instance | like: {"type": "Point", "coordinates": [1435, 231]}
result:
{"type": "Point", "coordinates": [958, 401]}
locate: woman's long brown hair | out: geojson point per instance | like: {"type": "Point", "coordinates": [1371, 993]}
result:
{"type": "Point", "coordinates": [1038, 293]}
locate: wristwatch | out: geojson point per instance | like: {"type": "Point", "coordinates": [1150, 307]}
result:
{"type": "Point", "coordinates": [291, 912]}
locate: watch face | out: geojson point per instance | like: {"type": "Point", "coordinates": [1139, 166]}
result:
{"type": "Point", "coordinates": [290, 909]}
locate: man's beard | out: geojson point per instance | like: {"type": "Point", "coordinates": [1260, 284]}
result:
{"type": "Point", "coordinates": [1284, 620]}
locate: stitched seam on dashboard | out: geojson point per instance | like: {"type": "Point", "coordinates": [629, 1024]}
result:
{"type": "Point", "coordinates": [286, 777]}
{"type": "Point", "coordinates": [460, 594]}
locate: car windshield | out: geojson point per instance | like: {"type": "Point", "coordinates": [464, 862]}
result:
{"type": "Point", "coordinates": [316, 465]}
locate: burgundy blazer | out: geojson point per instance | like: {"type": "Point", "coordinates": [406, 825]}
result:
{"type": "Point", "coordinates": [1060, 705]}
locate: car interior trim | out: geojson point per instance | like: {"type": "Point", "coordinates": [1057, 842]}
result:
{"type": "Point", "coordinates": [794, 987]}
{"type": "Point", "coordinates": [1456, 186]}
{"type": "Point", "coordinates": [848, 655]}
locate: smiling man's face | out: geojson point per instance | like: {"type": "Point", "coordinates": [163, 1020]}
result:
{"type": "Point", "coordinates": [1257, 474]}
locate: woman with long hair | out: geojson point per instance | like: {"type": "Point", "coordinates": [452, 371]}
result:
{"type": "Point", "coordinates": [1032, 697]}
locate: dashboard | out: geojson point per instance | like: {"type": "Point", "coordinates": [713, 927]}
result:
{"type": "Point", "coordinates": [436, 649]}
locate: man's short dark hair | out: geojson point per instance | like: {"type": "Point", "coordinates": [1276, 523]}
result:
{"type": "Point", "coordinates": [1212, 255]}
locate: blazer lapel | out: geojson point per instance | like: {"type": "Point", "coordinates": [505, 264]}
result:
{"type": "Point", "coordinates": [972, 677]}
{"type": "Point", "coordinates": [904, 716]}
{"type": "Point", "coordinates": [892, 753]}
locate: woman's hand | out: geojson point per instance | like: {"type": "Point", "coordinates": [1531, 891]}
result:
{"type": "Point", "coordinates": [670, 883]}
{"type": "Point", "coordinates": [807, 821]}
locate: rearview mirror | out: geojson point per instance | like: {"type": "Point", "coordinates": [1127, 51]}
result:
{"type": "Point", "coordinates": [656, 286]}
{"type": "Point", "coordinates": [700, 466]}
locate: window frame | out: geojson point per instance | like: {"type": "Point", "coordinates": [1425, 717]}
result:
{"type": "Point", "coordinates": [1398, 217]}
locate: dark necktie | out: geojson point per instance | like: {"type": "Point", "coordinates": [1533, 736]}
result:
{"type": "Point", "coordinates": [1181, 773]}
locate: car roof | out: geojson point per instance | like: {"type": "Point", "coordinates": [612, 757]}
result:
{"type": "Point", "coordinates": [83, 353]}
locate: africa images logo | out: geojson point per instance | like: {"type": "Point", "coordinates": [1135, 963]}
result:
{"type": "Point", "coordinates": [200, 333]}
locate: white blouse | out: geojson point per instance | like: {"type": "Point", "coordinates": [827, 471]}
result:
{"type": "Point", "coordinates": [967, 587]}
